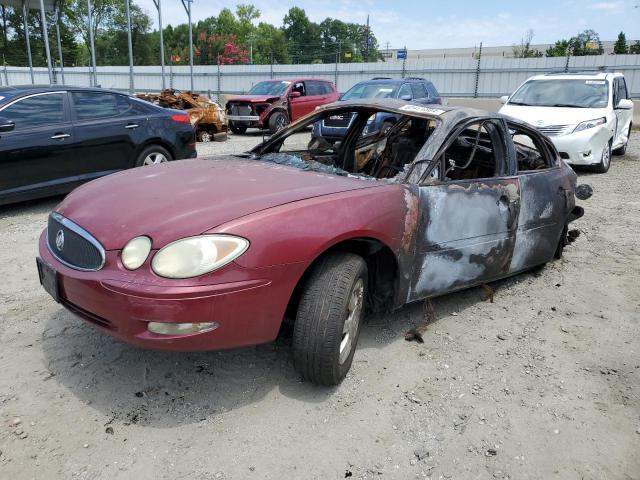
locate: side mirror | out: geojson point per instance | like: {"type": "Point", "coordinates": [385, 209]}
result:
{"type": "Point", "coordinates": [503, 99]}
{"type": "Point", "coordinates": [295, 94]}
{"type": "Point", "coordinates": [406, 98]}
{"type": "Point", "coordinates": [6, 125]}
{"type": "Point", "coordinates": [625, 104]}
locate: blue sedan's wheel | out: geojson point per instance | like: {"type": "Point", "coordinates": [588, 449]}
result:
{"type": "Point", "coordinates": [329, 318]}
{"type": "Point", "coordinates": [153, 155]}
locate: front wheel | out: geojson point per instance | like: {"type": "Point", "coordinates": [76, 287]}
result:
{"type": "Point", "coordinates": [329, 317]}
{"type": "Point", "coordinates": [153, 155]}
{"type": "Point", "coordinates": [277, 122]}
{"type": "Point", "coordinates": [605, 160]}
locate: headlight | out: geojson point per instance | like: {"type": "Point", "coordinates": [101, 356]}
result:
{"type": "Point", "coordinates": [590, 124]}
{"type": "Point", "coordinates": [194, 256]}
{"type": "Point", "coordinates": [135, 252]}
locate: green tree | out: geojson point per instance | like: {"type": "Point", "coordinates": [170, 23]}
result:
{"type": "Point", "coordinates": [620, 47]}
{"type": "Point", "coordinates": [635, 48]}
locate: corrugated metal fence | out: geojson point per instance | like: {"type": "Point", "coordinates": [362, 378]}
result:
{"type": "Point", "coordinates": [454, 77]}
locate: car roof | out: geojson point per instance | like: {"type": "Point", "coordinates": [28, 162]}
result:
{"type": "Point", "coordinates": [301, 79]}
{"type": "Point", "coordinates": [21, 90]}
{"type": "Point", "coordinates": [446, 113]}
{"type": "Point", "coordinates": [393, 80]}
{"type": "Point", "coordinates": [577, 75]}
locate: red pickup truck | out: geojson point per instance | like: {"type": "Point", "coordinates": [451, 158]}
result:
{"type": "Point", "coordinates": [272, 104]}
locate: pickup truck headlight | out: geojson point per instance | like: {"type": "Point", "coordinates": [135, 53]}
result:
{"type": "Point", "coordinates": [194, 256]}
{"type": "Point", "coordinates": [590, 124]}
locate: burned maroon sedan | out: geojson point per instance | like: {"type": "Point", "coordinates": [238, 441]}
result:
{"type": "Point", "coordinates": [217, 253]}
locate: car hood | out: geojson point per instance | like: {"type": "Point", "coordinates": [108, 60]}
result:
{"type": "Point", "coordinates": [252, 98]}
{"type": "Point", "coordinates": [188, 197]}
{"type": "Point", "coordinates": [544, 116]}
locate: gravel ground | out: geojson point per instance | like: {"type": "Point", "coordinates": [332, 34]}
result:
{"type": "Point", "coordinates": [543, 383]}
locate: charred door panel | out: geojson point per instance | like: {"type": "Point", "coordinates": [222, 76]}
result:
{"type": "Point", "coordinates": [546, 201]}
{"type": "Point", "coordinates": [466, 234]}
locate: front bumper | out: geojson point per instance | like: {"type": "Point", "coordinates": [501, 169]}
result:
{"type": "Point", "coordinates": [583, 148]}
{"type": "Point", "coordinates": [244, 118]}
{"type": "Point", "coordinates": [247, 304]}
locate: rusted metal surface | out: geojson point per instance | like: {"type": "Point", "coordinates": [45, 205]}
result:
{"type": "Point", "coordinates": [206, 116]}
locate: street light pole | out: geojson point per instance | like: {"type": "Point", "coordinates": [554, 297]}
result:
{"type": "Point", "coordinates": [187, 7]}
{"type": "Point", "coordinates": [45, 35]}
{"type": "Point", "coordinates": [94, 78]}
{"type": "Point", "coordinates": [59, 42]}
{"type": "Point", "coordinates": [158, 4]}
{"type": "Point", "coordinates": [25, 13]}
{"type": "Point", "coordinates": [130, 44]}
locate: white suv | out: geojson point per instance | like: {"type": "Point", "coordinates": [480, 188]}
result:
{"type": "Point", "coordinates": [586, 115]}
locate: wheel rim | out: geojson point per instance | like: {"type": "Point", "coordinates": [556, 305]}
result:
{"type": "Point", "coordinates": [605, 156]}
{"type": "Point", "coordinates": [281, 122]}
{"type": "Point", "coordinates": [154, 158]}
{"type": "Point", "coordinates": [352, 323]}
{"type": "Point", "coordinates": [205, 137]}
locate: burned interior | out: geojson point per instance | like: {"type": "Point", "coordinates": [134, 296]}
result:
{"type": "Point", "coordinates": [378, 154]}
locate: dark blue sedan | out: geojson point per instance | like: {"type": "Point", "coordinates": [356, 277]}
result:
{"type": "Point", "coordinates": [334, 128]}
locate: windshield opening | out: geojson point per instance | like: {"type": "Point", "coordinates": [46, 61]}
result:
{"type": "Point", "coordinates": [370, 90]}
{"type": "Point", "coordinates": [576, 93]}
{"type": "Point", "coordinates": [275, 88]}
{"type": "Point", "coordinates": [362, 151]}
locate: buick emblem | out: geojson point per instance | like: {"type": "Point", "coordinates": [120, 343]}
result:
{"type": "Point", "coordinates": [60, 240]}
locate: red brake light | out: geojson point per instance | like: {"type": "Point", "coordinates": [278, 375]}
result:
{"type": "Point", "coordinates": [181, 118]}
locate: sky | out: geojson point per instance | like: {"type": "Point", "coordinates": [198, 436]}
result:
{"type": "Point", "coordinates": [454, 23]}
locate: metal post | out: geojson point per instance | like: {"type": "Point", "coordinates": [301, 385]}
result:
{"type": "Point", "coordinates": [94, 79]}
{"type": "Point", "coordinates": [219, 95]}
{"type": "Point", "coordinates": [475, 91]}
{"type": "Point", "coordinates": [45, 35]}
{"type": "Point", "coordinates": [158, 4]}
{"type": "Point", "coordinates": [404, 62]}
{"type": "Point", "coordinates": [130, 45]}
{"type": "Point", "coordinates": [26, 36]}
{"type": "Point", "coordinates": [187, 7]}
{"type": "Point", "coordinates": [59, 42]}
{"type": "Point", "coordinates": [271, 65]}
{"type": "Point", "coordinates": [566, 65]}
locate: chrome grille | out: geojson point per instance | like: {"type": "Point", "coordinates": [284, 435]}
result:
{"type": "Point", "coordinates": [73, 245]}
{"type": "Point", "coordinates": [553, 130]}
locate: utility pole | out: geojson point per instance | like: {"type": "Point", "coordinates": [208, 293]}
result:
{"type": "Point", "coordinates": [475, 91]}
{"type": "Point", "coordinates": [366, 51]}
{"type": "Point", "coordinates": [158, 5]}
{"type": "Point", "coordinates": [59, 42]}
{"type": "Point", "coordinates": [94, 79]}
{"type": "Point", "coordinates": [187, 7]}
{"type": "Point", "coordinates": [130, 45]}
{"type": "Point", "coordinates": [25, 17]}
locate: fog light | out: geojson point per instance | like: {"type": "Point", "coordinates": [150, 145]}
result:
{"type": "Point", "coordinates": [162, 328]}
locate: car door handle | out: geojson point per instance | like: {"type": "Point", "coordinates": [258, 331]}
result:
{"type": "Point", "coordinates": [60, 136]}
{"type": "Point", "coordinates": [131, 125]}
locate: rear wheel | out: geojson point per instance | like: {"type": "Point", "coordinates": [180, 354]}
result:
{"type": "Point", "coordinates": [329, 317]}
{"type": "Point", "coordinates": [277, 121]}
{"type": "Point", "coordinates": [153, 155]}
{"type": "Point", "coordinates": [237, 129]}
{"type": "Point", "coordinates": [605, 159]}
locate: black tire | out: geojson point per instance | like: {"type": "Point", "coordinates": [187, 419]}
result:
{"type": "Point", "coordinates": [237, 129]}
{"type": "Point", "coordinates": [277, 121]}
{"type": "Point", "coordinates": [562, 242]}
{"type": "Point", "coordinates": [323, 311]}
{"type": "Point", "coordinates": [605, 162]}
{"type": "Point", "coordinates": [155, 154]}
{"type": "Point", "coordinates": [623, 149]}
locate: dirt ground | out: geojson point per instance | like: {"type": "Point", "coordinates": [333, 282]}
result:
{"type": "Point", "coordinates": [542, 383]}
